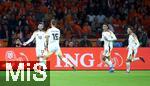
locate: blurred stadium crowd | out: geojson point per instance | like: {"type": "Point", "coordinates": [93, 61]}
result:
{"type": "Point", "coordinates": [80, 21]}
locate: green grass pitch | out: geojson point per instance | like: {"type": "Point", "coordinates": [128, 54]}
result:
{"type": "Point", "coordinates": [86, 78]}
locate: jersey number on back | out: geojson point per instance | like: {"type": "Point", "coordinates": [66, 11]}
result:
{"type": "Point", "coordinates": [55, 36]}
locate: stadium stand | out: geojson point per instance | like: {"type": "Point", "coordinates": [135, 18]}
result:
{"type": "Point", "coordinates": [19, 18]}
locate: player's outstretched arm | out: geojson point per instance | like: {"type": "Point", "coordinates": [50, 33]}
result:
{"type": "Point", "coordinates": [30, 40]}
{"type": "Point", "coordinates": [114, 36]}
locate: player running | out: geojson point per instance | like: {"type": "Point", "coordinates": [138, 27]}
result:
{"type": "Point", "coordinates": [108, 37]}
{"type": "Point", "coordinates": [53, 36]}
{"type": "Point", "coordinates": [40, 39]}
{"type": "Point", "coordinates": [133, 45]}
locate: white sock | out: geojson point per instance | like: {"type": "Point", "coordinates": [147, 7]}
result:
{"type": "Point", "coordinates": [128, 66]}
{"type": "Point", "coordinates": [135, 59]}
{"type": "Point", "coordinates": [66, 61]}
{"type": "Point", "coordinates": [109, 63]}
{"type": "Point", "coordinates": [41, 60]}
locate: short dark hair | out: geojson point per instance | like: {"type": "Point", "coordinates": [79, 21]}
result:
{"type": "Point", "coordinates": [131, 28]}
{"type": "Point", "coordinates": [106, 25]}
{"type": "Point", "coordinates": [54, 22]}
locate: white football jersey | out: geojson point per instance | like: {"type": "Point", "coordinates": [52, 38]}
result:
{"type": "Point", "coordinates": [108, 38]}
{"type": "Point", "coordinates": [40, 39]}
{"type": "Point", "coordinates": [53, 36]}
{"type": "Point", "coordinates": [133, 41]}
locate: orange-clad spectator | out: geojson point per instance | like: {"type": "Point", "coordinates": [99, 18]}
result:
{"type": "Point", "coordinates": [32, 22]}
{"type": "Point", "coordinates": [7, 5]}
{"type": "Point", "coordinates": [62, 8]}
{"type": "Point", "coordinates": [44, 9]}
{"type": "Point", "coordinates": [58, 5]}
{"type": "Point", "coordinates": [146, 2]}
{"type": "Point", "coordinates": [17, 5]}
{"type": "Point", "coordinates": [86, 29]}
{"type": "Point", "coordinates": [68, 32]}
{"type": "Point", "coordinates": [76, 28]}
{"type": "Point", "coordinates": [75, 1]}
{"type": "Point", "coordinates": [79, 5]}
{"type": "Point", "coordinates": [140, 16]}
{"type": "Point", "coordinates": [69, 5]}
{"type": "Point", "coordinates": [61, 24]}
{"type": "Point", "coordinates": [22, 10]}
{"type": "Point", "coordinates": [1, 8]}
{"type": "Point", "coordinates": [65, 10]}
{"type": "Point", "coordinates": [69, 18]}
{"type": "Point", "coordinates": [61, 5]}
{"type": "Point", "coordinates": [124, 22]}
{"type": "Point", "coordinates": [85, 1]}
{"type": "Point", "coordinates": [146, 21]}
{"type": "Point", "coordinates": [116, 21]}
{"type": "Point", "coordinates": [40, 1]}
{"type": "Point", "coordinates": [17, 17]}
{"type": "Point", "coordinates": [74, 10]}
{"type": "Point", "coordinates": [82, 4]}
{"type": "Point", "coordinates": [28, 6]}
{"type": "Point", "coordinates": [132, 14]}
{"type": "Point", "coordinates": [117, 24]}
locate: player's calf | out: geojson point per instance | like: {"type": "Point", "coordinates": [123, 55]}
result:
{"type": "Point", "coordinates": [104, 58]}
{"type": "Point", "coordinates": [128, 65]}
{"type": "Point", "coordinates": [109, 63]}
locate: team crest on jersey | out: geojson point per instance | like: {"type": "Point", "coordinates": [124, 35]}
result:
{"type": "Point", "coordinates": [39, 36]}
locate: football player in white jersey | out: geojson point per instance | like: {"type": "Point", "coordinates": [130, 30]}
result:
{"type": "Point", "coordinates": [53, 37]}
{"type": "Point", "coordinates": [133, 45]}
{"type": "Point", "coordinates": [39, 36]}
{"type": "Point", "coordinates": [108, 37]}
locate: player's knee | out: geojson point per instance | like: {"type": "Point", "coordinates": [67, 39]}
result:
{"type": "Point", "coordinates": [108, 57]}
{"type": "Point", "coordinates": [104, 58]}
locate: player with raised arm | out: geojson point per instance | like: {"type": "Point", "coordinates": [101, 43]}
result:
{"type": "Point", "coordinates": [39, 36]}
{"type": "Point", "coordinates": [53, 37]}
{"type": "Point", "coordinates": [108, 37]}
{"type": "Point", "coordinates": [133, 45]}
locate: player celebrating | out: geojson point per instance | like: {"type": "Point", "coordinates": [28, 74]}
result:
{"type": "Point", "coordinates": [133, 45]}
{"type": "Point", "coordinates": [108, 37]}
{"type": "Point", "coordinates": [39, 37]}
{"type": "Point", "coordinates": [53, 36]}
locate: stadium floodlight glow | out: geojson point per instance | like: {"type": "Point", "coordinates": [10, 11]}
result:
{"type": "Point", "coordinates": [21, 67]}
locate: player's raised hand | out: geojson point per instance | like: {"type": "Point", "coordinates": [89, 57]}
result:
{"type": "Point", "coordinates": [24, 44]}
